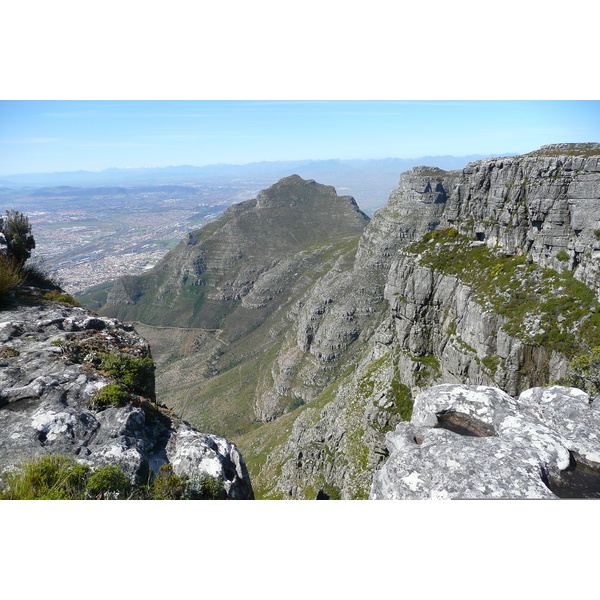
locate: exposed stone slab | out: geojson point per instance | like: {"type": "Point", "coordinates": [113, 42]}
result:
{"type": "Point", "coordinates": [523, 445]}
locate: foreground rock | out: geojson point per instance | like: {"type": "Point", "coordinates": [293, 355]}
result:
{"type": "Point", "coordinates": [53, 367]}
{"type": "Point", "coordinates": [478, 442]}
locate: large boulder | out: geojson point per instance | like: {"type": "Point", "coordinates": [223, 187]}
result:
{"type": "Point", "coordinates": [478, 442]}
{"type": "Point", "coordinates": [51, 373]}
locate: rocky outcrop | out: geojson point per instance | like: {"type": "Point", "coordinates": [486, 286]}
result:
{"type": "Point", "coordinates": [478, 442]}
{"type": "Point", "coordinates": [544, 205]}
{"type": "Point", "coordinates": [55, 363]}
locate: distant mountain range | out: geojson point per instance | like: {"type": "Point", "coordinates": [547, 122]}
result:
{"type": "Point", "coordinates": [265, 169]}
{"type": "Point", "coordinates": [369, 181]}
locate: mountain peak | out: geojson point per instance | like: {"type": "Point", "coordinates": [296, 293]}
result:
{"type": "Point", "coordinates": [204, 278]}
{"type": "Point", "coordinates": [296, 191]}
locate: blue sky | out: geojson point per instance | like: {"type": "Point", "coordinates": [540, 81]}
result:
{"type": "Point", "coordinates": [47, 136]}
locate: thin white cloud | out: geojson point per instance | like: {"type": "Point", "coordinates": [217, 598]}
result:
{"type": "Point", "coordinates": [201, 136]}
{"type": "Point", "coordinates": [90, 114]}
{"type": "Point", "coordinates": [33, 140]}
{"type": "Point", "coordinates": [110, 144]}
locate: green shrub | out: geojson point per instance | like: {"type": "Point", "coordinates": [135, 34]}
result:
{"type": "Point", "coordinates": [136, 374]}
{"type": "Point", "coordinates": [47, 478]}
{"type": "Point", "coordinates": [562, 256]}
{"type": "Point", "coordinates": [16, 236]}
{"type": "Point", "coordinates": [403, 401]}
{"type": "Point", "coordinates": [8, 352]}
{"type": "Point", "coordinates": [107, 482]}
{"type": "Point", "coordinates": [63, 478]}
{"type": "Point", "coordinates": [168, 485]}
{"type": "Point", "coordinates": [11, 276]}
{"type": "Point", "coordinates": [60, 296]}
{"type": "Point", "coordinates": [110, 395]}
{"type": "Point", "coordinates": [597, 234]}
{"type": "Point", "coordinates": [584, 372]}
{"type": "Point", "coordinates": [204, 487]}
{"type": "Point", "coordinates": [491, 363]}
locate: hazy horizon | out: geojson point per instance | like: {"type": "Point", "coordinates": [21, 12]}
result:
{"type": "Point", "coordinates": [245, 164]}
{"type": "Point", "coordinates": [53, 136]}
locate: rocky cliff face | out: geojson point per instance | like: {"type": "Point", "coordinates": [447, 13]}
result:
{"type": "Point", "coordinates": [78, 385]}
{"type": "Point", "coordinates": [485, 276]}
{"type": "Point", "coordinates": [342, 311]}
{"type": "Point", "coordinates": [487, 298]}
{"type": "Point", "coordinates": [543, 205]}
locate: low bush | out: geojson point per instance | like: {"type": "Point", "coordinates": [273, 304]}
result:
{"type": "Point", "coordinates": [60, 296]}
{"type": "Point", "coordinates": [168, 485]}
{"type": "Point", "coordinates": [108, 482]}
{"type": "Point", "coordinates": [47, 478]}
{"type": "Point", "coordinates": [63, 478]}
{"type": "Point", "coordinates": [204, 487]}
{"type": "Point", "coordinates": [11, 277]}
{"type": "Point", "coordinates": [403, 401]}
{"type": "Point", "coordinates": [136, 374]}
{"type": "Point", "coordinates": [584, 372]}
{"type": "Point", "coordinates": [110, 395]}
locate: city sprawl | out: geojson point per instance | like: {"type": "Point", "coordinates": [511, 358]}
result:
{"type": "Point", "coordinates": [88, 236]}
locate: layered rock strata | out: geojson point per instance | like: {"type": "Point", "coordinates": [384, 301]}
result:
{"type": "Point", "coordinates": [544, 205]}
{"type": "Point", "coordinates": [466, 287]}
{"type": "Point", "coordinates": [249, 254]}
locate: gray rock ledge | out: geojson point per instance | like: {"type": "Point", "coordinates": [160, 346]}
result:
{"type": "Point", "coordinates": [467, 442]}
{"type": "Point", "coordinates": [45, 403]}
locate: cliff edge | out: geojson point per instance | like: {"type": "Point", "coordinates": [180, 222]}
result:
{"type": "Point", "coordinates": [77, 385]}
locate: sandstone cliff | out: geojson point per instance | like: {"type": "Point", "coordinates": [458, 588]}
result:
{"type": "Point", "coordinates": [480, 284]}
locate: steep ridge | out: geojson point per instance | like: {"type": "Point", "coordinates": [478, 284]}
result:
{"type": "Point", "coordinates": [214, 309]}
{"type": "Point", "coordinates": [235, 261]}
{"type": "Point", "coordinates": [332, 322]}
{"type": "Point", "coordinates": [487, 275]}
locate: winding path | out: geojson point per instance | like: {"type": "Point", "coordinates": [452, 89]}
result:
{"type": "Point", "coordinates": [217, 332]}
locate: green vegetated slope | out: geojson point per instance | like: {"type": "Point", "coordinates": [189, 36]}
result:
{"type": "Point", "coordinates": [565, 312]}
{"type": "Point", "coordinates": [341, 432]}
{"type": "Point", "coordinates": [214, 309]}
{"type": "Point", "coordinates": [210, 377]}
